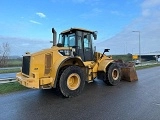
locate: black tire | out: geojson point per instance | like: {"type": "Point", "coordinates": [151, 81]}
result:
{"type": "Point", "coordinates": [113, 75]}
{"type": "Point", "coordinates": [72, 81]}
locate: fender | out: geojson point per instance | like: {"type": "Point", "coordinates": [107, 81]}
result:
{"type": "Point", "coordinates": [104, 64]}
{"type": "Point", "coordinates": [61, 63]}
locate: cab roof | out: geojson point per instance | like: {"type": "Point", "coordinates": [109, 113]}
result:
{"type": "Point", "coordinates": [77, 29]}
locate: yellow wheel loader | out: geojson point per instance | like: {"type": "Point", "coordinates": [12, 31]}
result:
{"type": "Point", "coordinates": [69, 64]}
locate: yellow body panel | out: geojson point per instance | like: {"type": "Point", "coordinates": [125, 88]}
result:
{"type": "Point", "coordinates": [103, 64]}
{"type": "Point", "coordinates": [27, 81]}
{"type": "Point", "coordinates": [37, 64]}
{"type": "Point", "coordinates": [56, 65]}
{"type": "Point", "coordinates": [44, 81]}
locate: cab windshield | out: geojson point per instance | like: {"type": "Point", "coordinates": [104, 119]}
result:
{"type": "Point", "coordinates": [67, 40]}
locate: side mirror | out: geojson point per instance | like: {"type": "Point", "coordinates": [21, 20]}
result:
{"type": "Point", "coordinates": [106, 50]}
{"type": "Point", "coordinates": [85, 36]}
{"type": "Point", "coordinates": [95, 35]}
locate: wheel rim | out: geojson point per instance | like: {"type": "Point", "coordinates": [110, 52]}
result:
{"type": "Point", "coordinates": [73, 81]}
{"type": "Point", "coordinates": [115, 74]}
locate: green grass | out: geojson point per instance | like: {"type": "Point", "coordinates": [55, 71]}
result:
{"type": "Point", "coordinates": [14, 63]}
{"type": "Point", "coordinates": [11, 87]}
{"type": "Point", "coordinates": [125, 58]}
{"type": "Point", "coordinates": [14, 70]}
{"type": "Point", "coordinates": [147, 66]}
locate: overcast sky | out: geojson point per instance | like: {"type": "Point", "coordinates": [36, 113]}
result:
{"type": "Point", "coordinates": [26, 24]}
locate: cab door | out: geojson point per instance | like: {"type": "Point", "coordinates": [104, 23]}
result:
{"type": "Point", "coordinates": [80, 48]}
{"type": "Point", "coordinates": [87, 44]}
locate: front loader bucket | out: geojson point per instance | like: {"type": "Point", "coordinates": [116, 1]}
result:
{"type": "Point", "coordinates": [128, 72]}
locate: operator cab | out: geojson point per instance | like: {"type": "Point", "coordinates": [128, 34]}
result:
{"type": "Point", "coordinates": [81, 40]}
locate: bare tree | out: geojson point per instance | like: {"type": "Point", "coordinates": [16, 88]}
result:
{"type": "Point", "coordinates": [4, 54]}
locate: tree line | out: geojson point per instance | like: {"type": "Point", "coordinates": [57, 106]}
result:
{"type": "Point", "coordinates": [4, 54]}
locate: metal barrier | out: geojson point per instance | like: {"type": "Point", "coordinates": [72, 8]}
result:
{"type": "Point", "coordinates": [7, 80]}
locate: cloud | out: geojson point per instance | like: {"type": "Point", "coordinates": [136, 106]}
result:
{"type": "Point", "coordinates": [150, 3]}
{"type": "Point", "coordinates": [149, 7]}
{"type": "Point", "coordinates": [35, 22]}
{"type": "Point", "coordinates": [149, 26]}
{"type": "Point", "coordinates": [146, 12]}
{"type": "Point", "coordinates": [18, 45]}
{"type": "Point", "coordinates": [41, 15]}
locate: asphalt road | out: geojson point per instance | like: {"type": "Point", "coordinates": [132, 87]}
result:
{"type": "Point", "coordinates": [7, 75]}
{"type": "Point", "coordinates": [139, 100]}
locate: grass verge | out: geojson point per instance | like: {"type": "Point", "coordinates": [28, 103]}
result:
{"type": "Point", "coordinates": [15, 86]}
{"type": "Point", "coordinates": [11, 87]}
{"type": "Point", "coordinates": [14, 63]}
{"type": "Point", "coordinates": [147, 66]}
{"type": "Point", "coordinates": [14, 70]}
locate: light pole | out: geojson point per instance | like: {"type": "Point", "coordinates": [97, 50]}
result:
{"type": "Point", "coordinates": [139, 45]}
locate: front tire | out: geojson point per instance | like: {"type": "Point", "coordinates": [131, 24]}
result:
{"type": "Point", "coordinates": [72, 81]}
{"type": "Point", "coordinates": [113, 75]}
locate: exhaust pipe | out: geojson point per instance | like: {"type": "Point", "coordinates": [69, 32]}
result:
{"type": "Point", "coordinates": [54, 36]}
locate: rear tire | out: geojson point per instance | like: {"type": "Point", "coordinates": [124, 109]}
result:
{"type": "Point", "coordinates": [113, 75]}
{"type": "Point", "coordinates": [72, 81]}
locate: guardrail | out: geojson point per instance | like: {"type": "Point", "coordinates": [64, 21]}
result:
{"type": "Point", "coordinates": [146, 63]}
{"type": "Point", "coordinates": [7, 80]}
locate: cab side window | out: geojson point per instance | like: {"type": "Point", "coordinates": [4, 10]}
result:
{"type": "Point", "coordinates": [72, 41]}
{"type": "Point", "coordinates": [69, 40]}
{"type": "Point", "coordinates": [87, 41]}
{"type": "Point", "coordinates": [79, 42]}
